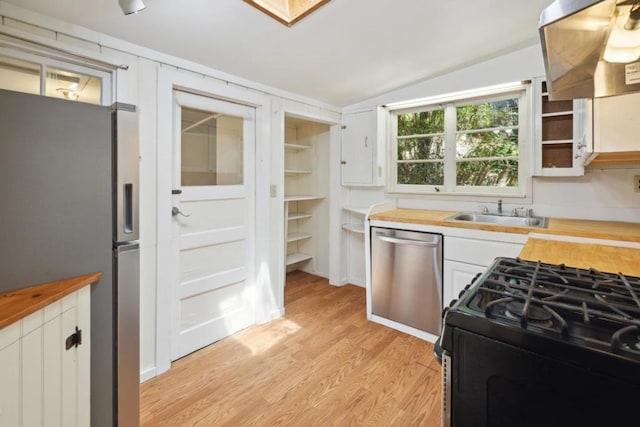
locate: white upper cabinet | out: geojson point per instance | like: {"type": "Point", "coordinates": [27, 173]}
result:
{"type": "Point", "coordinates": [616, 123]}
{"type": "Point", "coordinates": [562, 133]}
{"type": "Point", "coordinates": [363, 148]}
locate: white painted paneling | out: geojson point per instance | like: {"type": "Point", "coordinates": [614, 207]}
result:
{"type": "Point", "coordinates": [147, 93]}
{"type": "Point", "coordinates": [84, 357]}
{"type": "Point", "coordinates": [31, 322]}
{"type": "Point", "coordinates": [33, 29]}
{"type": "Point", "coordinates": [69, 369]}
{"type": "Point", "coordinates": [32, 377]}
{"type": "Point", "coordinates": [43, 384]}
{"type": "Point", "coordinates": [52, 381]}
{"type": "Point", "coordinates": [10, 389]}
{"type": "Point", "coordinates": [599, 194]}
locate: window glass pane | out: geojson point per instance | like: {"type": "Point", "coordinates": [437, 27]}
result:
{"type": "Point", "coordinates": [421, 173]}
{"type": "Point", "coordinates": [425, 148]}
{"type": "Point", "coordinates": [488, 115]}
{"type": "Point", "coordinates": [495, 173]}
{"type": "Point", "coordinates": [73, 86]}
{"type": "Point", "coordinates": [19, 76]}
{"type": "Point", "coordinates": [496, 143]}
{"type": "Point", "coordinates": [212, 148]}
{"type": "Point", "coordinates": [422, 123]}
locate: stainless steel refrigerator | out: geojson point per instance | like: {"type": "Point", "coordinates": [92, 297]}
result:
{"type": "Point", "coordinates": [69, 188]}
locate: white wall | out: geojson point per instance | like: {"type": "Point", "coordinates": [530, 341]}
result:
{"type": "Point", "coordinates": [599, 194]}
{"type": "Point", "coordinates": [139, 85]}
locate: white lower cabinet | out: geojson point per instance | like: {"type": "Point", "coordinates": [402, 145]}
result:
{"type": "Point", "coordinates": [464, 258]}
{"type": "Point", "coordinates": [43, 382]}
{"type": "Point", "coordinates": [457, 275]}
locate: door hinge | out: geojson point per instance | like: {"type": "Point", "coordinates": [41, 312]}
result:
{"type": "Point", "coordinates": [74, 340]}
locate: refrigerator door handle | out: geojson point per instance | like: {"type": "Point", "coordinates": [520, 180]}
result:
{"type": "Point", "coordinates": [126, 157]}
{"type": "Point", "coordinates": [127, 226]}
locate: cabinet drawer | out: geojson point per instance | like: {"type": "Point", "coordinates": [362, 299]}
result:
{"type": "Point", "coordinates": [479, 252]}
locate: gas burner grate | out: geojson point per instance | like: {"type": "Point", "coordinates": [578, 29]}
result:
{"type": "Point", "coordinates": [589, 305]}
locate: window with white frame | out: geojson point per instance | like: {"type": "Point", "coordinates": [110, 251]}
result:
{"type": "Point", "coordinates": [467, 143]}
{"type": "Point", "coordinates": [40, 75]}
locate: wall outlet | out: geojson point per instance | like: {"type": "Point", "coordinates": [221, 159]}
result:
{"type": "Point", "coordinates": [274, 190]}
{"type": "Point", "coordinates": [636, 183]}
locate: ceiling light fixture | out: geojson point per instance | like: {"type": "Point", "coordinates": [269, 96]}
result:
{"type": "Point", "coordinates": [131, 6]}
{"type": "Point", "coordinates": [68, 94]}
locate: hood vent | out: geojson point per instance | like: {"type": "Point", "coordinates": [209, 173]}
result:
{"type": "Point", "coordinates": [591, 48]}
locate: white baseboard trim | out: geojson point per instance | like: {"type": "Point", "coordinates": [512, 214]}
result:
{"type": "Point", "coordinates": [147, 374]}
{"type": "Point", "coordinates": [276, 314]}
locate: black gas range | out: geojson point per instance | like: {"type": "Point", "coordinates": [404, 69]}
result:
{"type": "Point", "coordinates": [534, 344]}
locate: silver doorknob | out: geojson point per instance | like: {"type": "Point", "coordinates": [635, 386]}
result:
{"type": "Point", "coordinates": [176, 211]}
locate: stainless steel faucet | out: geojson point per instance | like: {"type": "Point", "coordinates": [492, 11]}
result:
{"type": "Point", "coordinates": [500, 206]}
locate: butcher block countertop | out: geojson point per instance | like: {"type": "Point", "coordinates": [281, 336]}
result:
{"type": "Point", "coordinates": [18, 304]}
{"type": "Point", "coordinates": [609, 230]}
{"type": "Point", "coordinates": [611, 259]}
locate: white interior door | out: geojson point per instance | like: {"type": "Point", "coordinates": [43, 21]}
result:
{"type": "Point", "coordinates": [213, 221]}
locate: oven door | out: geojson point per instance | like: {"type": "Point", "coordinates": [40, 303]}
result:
{"type": "Point", "coordinates": [500, 385]}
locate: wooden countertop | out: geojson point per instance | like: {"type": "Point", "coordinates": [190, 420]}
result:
{"type": "Point", "coordinates": [16, 305]}
{"type": "Point", "coordinates": [611, 259]}
{"type": "Point", "coordinates": [611, 230]}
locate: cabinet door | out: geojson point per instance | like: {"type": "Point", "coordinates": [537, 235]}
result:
{"type": "Point", "coordinates": [457, 275]}
{"type": "Point", "coordinates": [616, 124]}
{"type": "Point", "coordinates": [358, 147]}
{"type": "Point", "coordinates": [563, 139]}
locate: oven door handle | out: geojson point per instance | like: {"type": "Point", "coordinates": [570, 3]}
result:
{"type": "Point", "coordinates": [407, 241]}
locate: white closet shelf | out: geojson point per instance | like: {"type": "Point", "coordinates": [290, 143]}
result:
{"type": "Point", "coordinates": [354, 228]}
{"type": "Point", "coordinates": [557, 114]}
{"type": "Point", "coordinates": [300, 215]}
{"type": "Point", "coordinates": [363, 185]}
{"type": "Point", "coordinates": [301, 198]}
{"type": "Point", "coordinates": [294, 237]}
{"type": "Point", "coordinates": [296, 147]}
{"type": "Point", "coordinates": [296, 172]}
{"type": "Point", "coordinates": [296, 258]}
{"type": "Point", "coordinates": [356, 209]}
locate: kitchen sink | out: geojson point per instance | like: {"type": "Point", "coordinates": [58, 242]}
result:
{"type": "Point", "coordinates": [489, 218]}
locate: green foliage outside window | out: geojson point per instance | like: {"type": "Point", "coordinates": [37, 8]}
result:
{"type": "Point", "coordinates": [486, 145]}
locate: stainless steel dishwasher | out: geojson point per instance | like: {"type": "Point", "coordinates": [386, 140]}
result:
{"type": "Point", "coordinates": [406, 277]}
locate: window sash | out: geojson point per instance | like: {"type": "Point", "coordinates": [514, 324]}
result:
{"type": "Point", "coordinates": [450, 135]}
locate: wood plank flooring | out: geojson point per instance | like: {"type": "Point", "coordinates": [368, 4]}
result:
{"type": "Point", "coordinates": [322, 364]}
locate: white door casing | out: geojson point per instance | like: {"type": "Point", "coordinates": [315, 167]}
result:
{"type": "Point", "coordinates": [212, 247]}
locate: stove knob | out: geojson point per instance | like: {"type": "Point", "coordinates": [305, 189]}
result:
{"type": "Point", "coordinates": [444, 312]}
{"type": "Point", "coordinates": [476, 277]}
{"type": "Point", "coordinates": [464, 291]}
{"type": "Point", "coordinates": [453, 301]}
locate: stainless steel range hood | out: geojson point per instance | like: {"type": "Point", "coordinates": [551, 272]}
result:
{"type": "Point", "coordinates": [591, 48]}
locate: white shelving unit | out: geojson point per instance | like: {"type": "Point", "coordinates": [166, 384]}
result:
{"type": "Point", "coordinates": [563, 140]}
{"type": "Point", "coordinates": [356, 219]}
{"type": "Point", "coordinates": [305, 185]}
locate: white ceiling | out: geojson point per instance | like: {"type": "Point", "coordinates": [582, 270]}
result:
{"type": "Point", "coordinates": [345, 52]}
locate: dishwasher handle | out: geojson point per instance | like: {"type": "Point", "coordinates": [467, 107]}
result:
{"type": "Point", "coordinates": [408, 241]}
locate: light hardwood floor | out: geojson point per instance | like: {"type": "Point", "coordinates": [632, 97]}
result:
{"type": "Point", "coordinates": [322, 364]}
